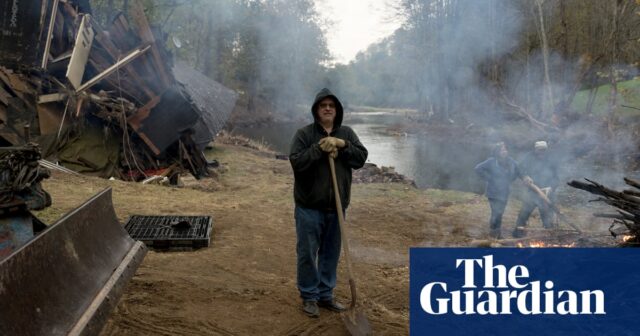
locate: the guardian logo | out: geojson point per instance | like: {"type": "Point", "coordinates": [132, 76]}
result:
{"type": "Point", "coordinates": [490, 289]}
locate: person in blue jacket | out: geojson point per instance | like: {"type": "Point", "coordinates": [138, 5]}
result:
{"type": "Point", "coordinates": [499, 171]}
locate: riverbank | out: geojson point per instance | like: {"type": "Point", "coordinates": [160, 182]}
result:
{"type": "Point", "coordinates": [244, 283]}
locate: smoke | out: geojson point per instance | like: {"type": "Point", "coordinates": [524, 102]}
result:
{"type": "Point", "coordinates": [292, 49]}
{"type": "Point", "coordinates": [272, 52]}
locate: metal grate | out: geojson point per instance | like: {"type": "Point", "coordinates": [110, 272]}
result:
{"type": "Point", "coordinates": [171, 232]}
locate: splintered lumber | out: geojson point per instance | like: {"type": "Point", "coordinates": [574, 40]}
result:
{"type": "Point", "coordinates": [113, 68]}
{"type": "Point", "coordinates": [130, 73]}
{"type": "Point", "coordinates": [137, 13]}
{"type": "Point", "coordinates": [47, 46]}
{"type": "Point", "coordinates": [115, 53]}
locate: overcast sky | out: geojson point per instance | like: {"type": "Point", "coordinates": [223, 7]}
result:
{"type": "Point", "coordinates": [357, 24]}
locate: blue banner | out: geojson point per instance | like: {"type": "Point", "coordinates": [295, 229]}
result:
{"type": "Point", "coordinates": [524, 291]}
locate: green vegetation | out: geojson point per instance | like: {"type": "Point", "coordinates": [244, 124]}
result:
{"type": "Point", "coordinates": [628, 94]}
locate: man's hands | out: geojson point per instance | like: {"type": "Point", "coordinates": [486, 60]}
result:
{"type": "Point", "coordinates": [331, 145]}
{"type": "Point", "coordinates": [527, 180]}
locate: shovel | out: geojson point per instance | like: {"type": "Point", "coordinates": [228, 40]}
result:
{"type": "Point", "coordinates": [550, 204]}
{"type": "Point", "coordinates": [356, 322]}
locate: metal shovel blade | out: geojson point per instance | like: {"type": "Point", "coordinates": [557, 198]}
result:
{"type": "Point", "coordinates": [356, 322]}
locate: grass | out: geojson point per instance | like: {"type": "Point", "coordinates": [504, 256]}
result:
{"type": "Point", "coordinates": [449, 195]}
{"type": "Point", "coordinates": [628, 94]}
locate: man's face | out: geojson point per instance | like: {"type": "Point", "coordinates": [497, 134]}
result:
{"type": "Point", "coordinates": [327, 111]}
{"type": "Point", "coordinates": [503, 153]}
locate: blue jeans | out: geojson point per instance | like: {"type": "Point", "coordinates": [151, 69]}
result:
{"type": "Point", "coordinates": [529, 204]}
{"type": "Point", "coordinates": [495, 222]}
{"type": "Point", "coordinates": [318, 251]}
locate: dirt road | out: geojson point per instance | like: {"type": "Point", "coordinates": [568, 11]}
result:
{"type": "Point", "coordinates": [244, 284]}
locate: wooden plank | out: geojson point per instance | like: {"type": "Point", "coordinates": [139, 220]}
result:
{"type": "Point", "coordinates": [47, 46]}
{"type": "Point", "coordinates": [127, 89]}
{"type": "Point", "coordinates": [52, 97]}
{"type": "Point", "coordinates": [80, 54]}
{"type": "Point", "coordinates": [4, 95]}
{"type": "Point", "coordinates": [114, 52]}
{"type": "Point", "coordinates": [59, 35]}
{"type": "Point", "coordinates": [136, 120]}
{"type": "Point", "coordinates": [130, 57]}
{"type": "Point", "coordinates": [14, 85]}
{"type": "Point", "coordinates": [149, 143]}
{"type": "Point", "coordinates": [3, 114]}
{"type": "Point", "coordinates": [10, 135]}
{"type": "Point", "coordinates": [119, 32]}
{"type": "Point", "coordinates": [144, 31]}
{"type": "Point", "coordinates": [49, 118]}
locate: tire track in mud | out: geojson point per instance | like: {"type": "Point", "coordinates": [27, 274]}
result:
{"type": "Point", "coordinates": [313, 327]}
{"type": "Point", "coordinates": [130, 322]}
{"type": "Point", "coordinates": [148, 310]}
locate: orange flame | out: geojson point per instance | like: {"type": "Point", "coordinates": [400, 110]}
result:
{"type": "Point", "coordinates": [627, 238]}
{"type": "Point", "coordinates": [539, 243]}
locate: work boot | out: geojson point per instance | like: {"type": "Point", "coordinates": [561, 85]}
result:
{"type": "Point", "coordinates": [519, 232]}
{"type": "Point", "coordinates": [332, 305]}
{"type": "Point", "coordinates": [495, 234]}
{"type": "Point", "coordinates": [311, 308]}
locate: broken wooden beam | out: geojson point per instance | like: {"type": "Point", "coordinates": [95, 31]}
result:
{"type": "Point", "coordinates": [47, 46]}
{"type": "Point", "coordinates": [145, 33]}
{"type": "Point", "coordinates": [130, 57]}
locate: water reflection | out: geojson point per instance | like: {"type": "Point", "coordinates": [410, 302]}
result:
{"type": "Point", "coordinates": [429, 160]}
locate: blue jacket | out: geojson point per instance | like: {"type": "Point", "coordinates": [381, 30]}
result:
{"type": "Point", "coordinates": [498, 177]}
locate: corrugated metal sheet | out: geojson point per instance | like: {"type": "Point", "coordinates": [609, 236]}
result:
{"type": "Point", "coordinates": [212, 100]}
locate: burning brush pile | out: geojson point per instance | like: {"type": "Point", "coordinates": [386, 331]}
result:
{"type": "Point", "coordinates": [626, 219]}
{"type": "Point", "coordinates": [106, 101]}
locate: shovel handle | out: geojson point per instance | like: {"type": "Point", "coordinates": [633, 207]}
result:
{"type": "Point", "coordinates": [550, 204]}
{"type": "Point", "coordinates": [343, 231]}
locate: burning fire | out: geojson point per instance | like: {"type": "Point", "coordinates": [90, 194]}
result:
{"type": "Point", "coordinates": [627, 238]}
{"type": "Point", "coordinates": [539, 243]}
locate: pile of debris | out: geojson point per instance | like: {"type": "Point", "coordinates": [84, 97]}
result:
{"type": "Point", "coordinates": [370, 173]}
{"type": "Point", "coordinates": [20, 177]}
{"type": "Point", "coordinates": [20, 191]}
{"type": "Point", "coordinates": [626, 220]}
{"type": "Point", "coordinates": [106, 101]}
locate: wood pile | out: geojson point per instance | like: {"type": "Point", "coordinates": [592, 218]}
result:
{"type": "Point", "coordinates": [626, 219]}
{"type": "Point", "coordinates": [67, 76]}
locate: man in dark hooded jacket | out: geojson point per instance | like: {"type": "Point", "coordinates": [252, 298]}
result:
{"type": "Point", "coordinates": [317, 227]}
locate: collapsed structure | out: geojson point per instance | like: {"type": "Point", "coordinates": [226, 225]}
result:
{"type": "Point", "coordinates": [106, 101]}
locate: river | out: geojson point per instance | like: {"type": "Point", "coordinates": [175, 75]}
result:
{"type": "Point", "coordinates": [433, 162]}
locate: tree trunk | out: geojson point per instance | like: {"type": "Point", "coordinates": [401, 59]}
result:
{"type": "Point", "coordinates": [547, 101]}
{"type": "Point", "coordinates": [592, 94]}
{"type": "Point", "coordinates": [614, 47]}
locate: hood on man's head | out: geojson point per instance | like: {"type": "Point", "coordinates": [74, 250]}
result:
{"type": "Point", "coordinates": [326, 93]}
{"type": "Point", "coordinates": [497, 147]}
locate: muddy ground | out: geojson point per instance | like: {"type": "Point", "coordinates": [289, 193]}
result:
{"type": "Point", "coordinates": [244, 283]}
